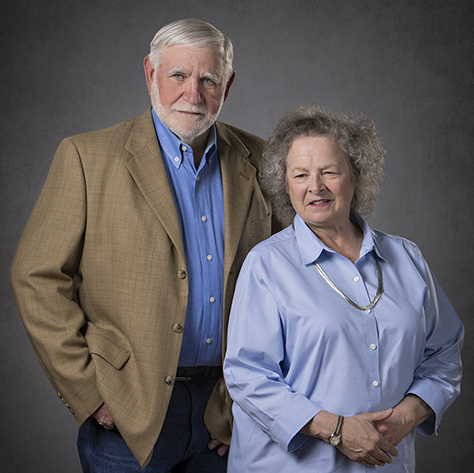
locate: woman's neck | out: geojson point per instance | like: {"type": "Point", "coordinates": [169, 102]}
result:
{"type": "Point", "coordinates": [345, 240]}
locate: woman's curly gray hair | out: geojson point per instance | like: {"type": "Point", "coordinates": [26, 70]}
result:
{"type": "Point", "coordinates": [356, 137]}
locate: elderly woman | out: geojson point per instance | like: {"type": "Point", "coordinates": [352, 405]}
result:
{"type": "Point", "coordinates": [341, 341]}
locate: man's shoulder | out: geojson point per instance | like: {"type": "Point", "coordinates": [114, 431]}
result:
{"type": "Point", "coordinates": [226, 131]}
{"type": "Point", "coordinates": [240, 142]}
{"type": "Point", "coordinates": [118, 133]}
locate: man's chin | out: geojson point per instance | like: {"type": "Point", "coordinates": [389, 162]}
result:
{"type": "Point", "coordinates": [189, 134]}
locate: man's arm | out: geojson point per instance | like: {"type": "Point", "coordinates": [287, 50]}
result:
{"type": "Point", "coordinates": [42, 281]}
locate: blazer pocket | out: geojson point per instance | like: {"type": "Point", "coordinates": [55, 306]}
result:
{"type": "Point", "coordinates": [263, 225]}
{"type": "Point", "coordinates": [113, 348]}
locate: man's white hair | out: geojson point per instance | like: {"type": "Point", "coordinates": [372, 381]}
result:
{"type": "Point", "coordinates": [195, 33]}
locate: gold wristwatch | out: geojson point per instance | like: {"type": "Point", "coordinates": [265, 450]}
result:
{"type": "Point", "coordinates": [335, 437]}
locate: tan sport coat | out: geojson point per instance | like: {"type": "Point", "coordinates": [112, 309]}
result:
{"type": "Point", "coordinates": [100, 278]}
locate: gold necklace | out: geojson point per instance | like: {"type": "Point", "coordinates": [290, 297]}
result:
{"type": "Point", "coordinates": [377, 297]}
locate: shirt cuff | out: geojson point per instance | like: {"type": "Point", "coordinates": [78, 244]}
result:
{"type": "Point", "coordinates": [435, 400]}
{"type": "Point", "coordinates": [285, 432]}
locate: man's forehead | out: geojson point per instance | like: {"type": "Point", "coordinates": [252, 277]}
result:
{"type": "Point", "coordinates": [180, 52]}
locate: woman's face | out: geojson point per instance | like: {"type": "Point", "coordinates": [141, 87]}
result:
{"type": "Point", "coordinates": [319, 182]}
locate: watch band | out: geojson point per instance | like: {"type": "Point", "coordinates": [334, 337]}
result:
{"type": "Point", "coordinates": [335, 437]}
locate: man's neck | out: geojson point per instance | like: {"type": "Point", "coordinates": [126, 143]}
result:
{"type": "Point", "coordinates": [198, 145]}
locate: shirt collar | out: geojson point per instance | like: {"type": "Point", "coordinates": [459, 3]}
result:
{"type": "Point", "coordinates": [311, 247]}
{"type": "Point", "coordinates": [173, 148]}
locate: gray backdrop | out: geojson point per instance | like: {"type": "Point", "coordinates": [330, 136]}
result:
{"type": "Point", "coordinates": [71, 66]}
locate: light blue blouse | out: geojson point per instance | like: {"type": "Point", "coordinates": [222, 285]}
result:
{"type": "Point", "coordinates": [296, 347]}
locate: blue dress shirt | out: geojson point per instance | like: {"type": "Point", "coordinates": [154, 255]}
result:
{"type": "Point", "coordinates": [296, 347]}
{"type": "Point", "coordinates": [200, 203]}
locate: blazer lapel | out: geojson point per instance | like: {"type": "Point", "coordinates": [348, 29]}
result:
{"type": "Point", "coordinates": [147, 169]}
{"type": "Point", "coordinates": [238, 178]}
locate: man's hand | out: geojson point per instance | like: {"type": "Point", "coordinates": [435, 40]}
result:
{"type": "Point", "coordinates": [103, 417]}
{"type": "Point", "coordinates": [222, 448]}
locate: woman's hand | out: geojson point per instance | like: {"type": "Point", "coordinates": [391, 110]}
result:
{"type": "Point", "coordinates": [407, 415]}
{"type": "Point", "coordinates": [360, 440]}
{"type": "Point", "coordinates": [363, 443]}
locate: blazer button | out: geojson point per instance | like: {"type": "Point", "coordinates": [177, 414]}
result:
{"type": "Point", "coordinates": [169, 380]}
{"type": "Point", "coordinates": [181, 274]}
{"type": "Point", "coordinates": [178, 328]}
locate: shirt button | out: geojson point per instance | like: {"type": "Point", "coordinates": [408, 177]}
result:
{"type": "Point", "coordinates": [198, 178]}
{"type": "Point", "coordinates": [212, 299]}
{"type": "Point", "coordinates": [373, 346]}
{"type": "Point", "coordinates": [209, 340]}
{"type": "Point", "coordinates": [375, 383]}
{"type": "Point", "coordinates": [169, 380]}
{"type": "Point", "coordinates": [356, 279]}
{"type": "Point", "coordinates": [176, 159]}
{"type": "Point", "coordinates": [209, 257]}
{"type": "Point", "coordinates": [178, 328]}
{"type": "Point", "coordinates": [204, 218]}
{"type": "Point", "coordinates": [183, 148]}
{"type": "Point", "coordinates": [181, 274]}
{"type": "Point", "coordinates": [368, 311]}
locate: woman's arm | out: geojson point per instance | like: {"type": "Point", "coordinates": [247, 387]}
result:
{"type": "Point", "coordinates": [360, 439]}
{"type": "Point", "coordinates": [408, 414]}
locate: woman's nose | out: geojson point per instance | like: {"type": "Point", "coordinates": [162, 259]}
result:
{"type": "Point", "coordinates": [316, 183]}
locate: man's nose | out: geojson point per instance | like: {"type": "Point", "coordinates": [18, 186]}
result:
{"type": "Point", "coordinates": [192, 92]}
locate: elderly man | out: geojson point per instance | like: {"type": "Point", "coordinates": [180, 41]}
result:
{"type": "Point", "coordinates": [125, 272]}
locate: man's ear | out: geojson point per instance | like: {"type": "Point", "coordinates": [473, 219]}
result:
{"type": "Point", "coordinates": [229, 83]}
{"type": "Point", "coordinates": [149, 73]}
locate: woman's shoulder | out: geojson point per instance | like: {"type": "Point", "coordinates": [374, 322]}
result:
{"type": "Point", "coordinates": [389, 244]}
{"type": "Point", "coordinates": [277, 242]}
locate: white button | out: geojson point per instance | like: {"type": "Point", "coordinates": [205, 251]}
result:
{"type": "Point", "coordinates": [204, 218]}
{"type": "Point", "coordinates": [209, 341]}
{"type": "Point", "coordinates": [183, 148]}
{"type": "Point", "coordinates": [176, 159]}
{"type": "Point", "coordinates": [212, 299]}
{"type": "Point", "coordinates": [356, 279]}
{"type": "Point", "coordinates": [368, 311]}
{"type": "Point", "coordinates": [373, 346]}
{"type": "Point", "coordinates": [375, 383]}
{"type": "Point", "coordinates": [209, 257]}
{"type": "Point", "coordinates": [198, 178]}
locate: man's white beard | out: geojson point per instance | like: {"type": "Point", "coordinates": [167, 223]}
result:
{"type": "Point", "coordinates": [186, 129]}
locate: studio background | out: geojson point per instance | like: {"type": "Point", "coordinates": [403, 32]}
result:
{"type": "Point", "coordinates": [73, 66]}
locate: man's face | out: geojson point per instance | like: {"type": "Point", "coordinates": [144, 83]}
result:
{"type": "Point", "coordinates": [187, 89]}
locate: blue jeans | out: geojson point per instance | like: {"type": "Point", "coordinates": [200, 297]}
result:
{"type": "Point", "coordinates": [181, 446]}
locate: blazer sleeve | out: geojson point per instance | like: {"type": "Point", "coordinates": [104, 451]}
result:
{"type": "Point", "coordinates": [43, 283]}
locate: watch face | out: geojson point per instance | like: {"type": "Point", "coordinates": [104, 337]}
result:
{"type": "Point", "coordinates": [334, 439]}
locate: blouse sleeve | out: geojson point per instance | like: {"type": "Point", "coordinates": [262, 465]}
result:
{"type": "Point", "coordinates": [437, 380]}
{"type": "Point", "coordinates": [255, 354]}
